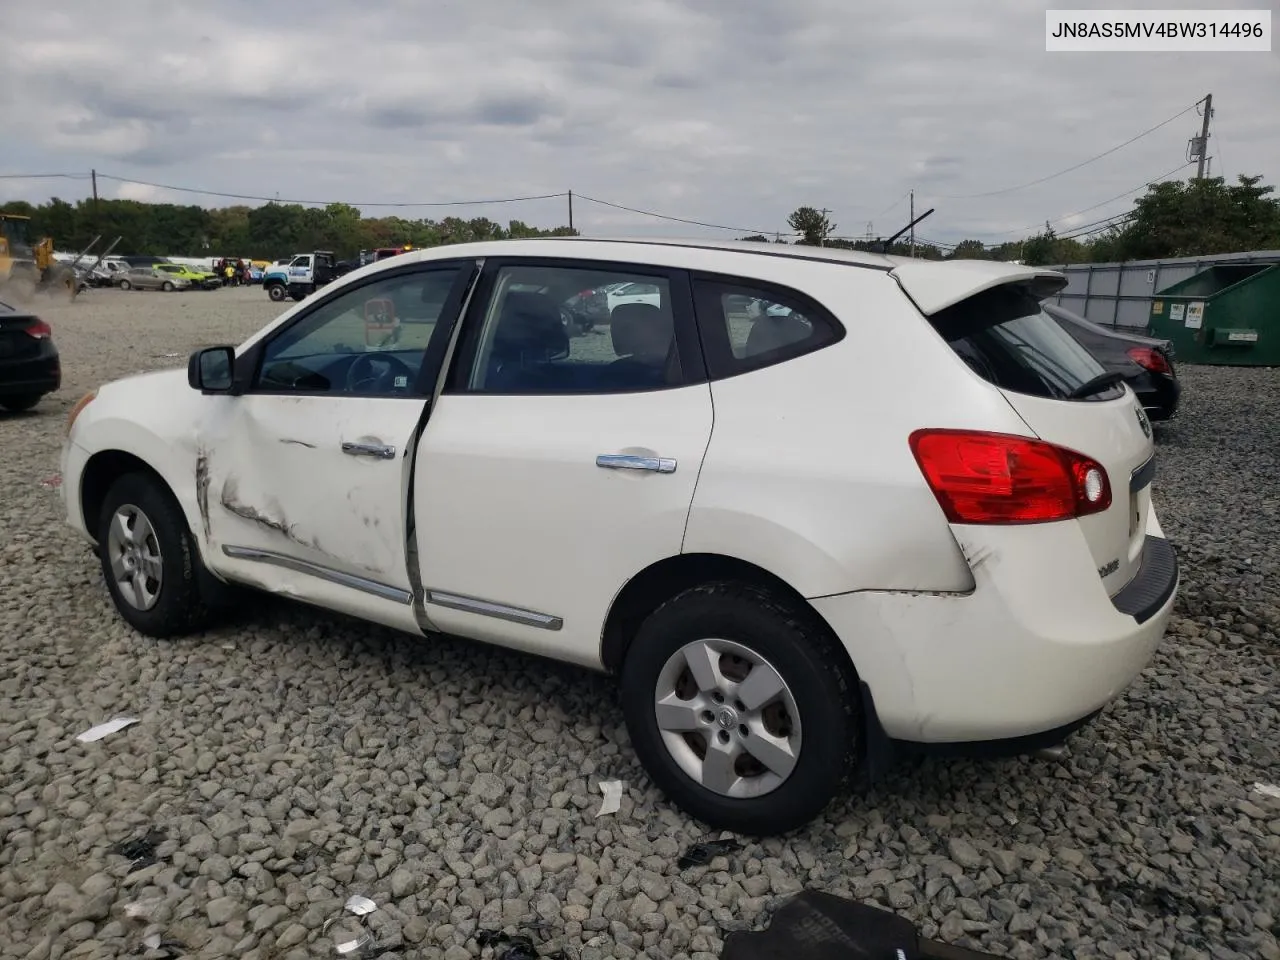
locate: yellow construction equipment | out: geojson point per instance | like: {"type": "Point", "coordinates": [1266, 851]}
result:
{"type": "Point", "coordinates": [23, 263]}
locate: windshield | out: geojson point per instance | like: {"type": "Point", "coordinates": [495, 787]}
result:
{"type": "Point", "coordinates": [1008, 339]}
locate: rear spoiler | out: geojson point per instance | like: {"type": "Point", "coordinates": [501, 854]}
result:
{"type": "Point", "coordinates": [934, 285]}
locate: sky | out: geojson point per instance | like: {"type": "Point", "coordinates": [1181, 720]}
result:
{"type": "Point", "coordinates": [729, 112]}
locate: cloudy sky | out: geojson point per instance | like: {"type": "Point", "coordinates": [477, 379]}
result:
{"type": "Point", "coordinates": [732, 112]}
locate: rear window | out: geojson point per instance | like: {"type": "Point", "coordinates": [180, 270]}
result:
{"type": "Point", "coordinates": [1008, 339]}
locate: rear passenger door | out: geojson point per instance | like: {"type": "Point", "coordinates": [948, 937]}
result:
{"type": "Point", "coordinates": [556, 467]}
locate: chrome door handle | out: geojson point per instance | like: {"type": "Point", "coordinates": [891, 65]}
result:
{"type": "Point", "coordinates": [379, 450]}
{"type": "Point", "coordinates": [619, 461]}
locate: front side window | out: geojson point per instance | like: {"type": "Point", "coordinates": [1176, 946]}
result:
{"type": "Point", "coordinates": [370, 340]}
{"type": "Point", "coordinates": [567, 329]}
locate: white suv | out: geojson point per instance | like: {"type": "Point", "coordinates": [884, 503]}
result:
{"type": "Point", "coordinates": [900, 505]}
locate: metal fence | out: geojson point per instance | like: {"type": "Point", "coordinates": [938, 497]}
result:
{"type": "Point", "coordinates": [1120, 294]}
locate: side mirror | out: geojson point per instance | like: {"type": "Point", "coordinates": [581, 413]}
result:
{"type": "Point", "coordinates": [211, 370]}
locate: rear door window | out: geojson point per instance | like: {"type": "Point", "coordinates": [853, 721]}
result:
{"type": "Point", "coordinates": [1007, 338]}
{"type": "Point", "coordinates": [746, 325]}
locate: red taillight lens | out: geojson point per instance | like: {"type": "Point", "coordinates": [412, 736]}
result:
{"type": "Point", "coordinates": [995, 478]}
{"type": "Point", "coordinates": [39, 330]}
{"type": "Point", "coordinates": [1149, 359]}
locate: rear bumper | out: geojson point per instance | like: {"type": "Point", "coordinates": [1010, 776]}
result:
{"type": "Point", "coordinates": [40, 374]}
{"type": "Point", "coordinates": [1035, 649]}
{"type": "Point", "coordinates": [1158, 394]}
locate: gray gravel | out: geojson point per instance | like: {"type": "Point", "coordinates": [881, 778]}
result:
{"type": "Point", "coordinates": [296, 758]}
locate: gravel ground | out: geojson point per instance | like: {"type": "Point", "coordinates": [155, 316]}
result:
{"type": "Point", "coordinates": [296, 758]}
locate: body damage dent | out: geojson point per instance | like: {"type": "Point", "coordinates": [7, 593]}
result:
{"type": "Point", "coordinates": [301, 443]}
{"type": "Point", "coordinates": [202, 491]}
{"type": "Point", "coordinates": [231, 503]}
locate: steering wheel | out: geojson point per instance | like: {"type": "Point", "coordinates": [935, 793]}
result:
{"type": "Point", "coordinates": [379, 373]}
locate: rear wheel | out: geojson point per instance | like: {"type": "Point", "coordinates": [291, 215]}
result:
{"type": "Point", "coordinates": [741, 708]}
{"type": "Point", "coordinates": [149, 559]}
{"type": "Point", "coordinates": [16, 403]}
{"type": "Point", "coordinates": [167, 286]}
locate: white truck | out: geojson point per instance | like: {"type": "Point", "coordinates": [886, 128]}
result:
{"type": "Point", "coordinates": [304, 274]}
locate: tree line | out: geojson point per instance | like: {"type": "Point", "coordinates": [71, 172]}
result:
{"type": "Point", "coordinates": [1189, 218]}
{"type": "Point", "coordinates": [267, 232]}
{"type": "Point", "coordinates": [1173, 219]}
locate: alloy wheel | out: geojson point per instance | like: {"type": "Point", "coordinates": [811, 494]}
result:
{"type": "Point", "coordinates": [728, 718]}
{"type": "Point", "coordinates": [136, 562]}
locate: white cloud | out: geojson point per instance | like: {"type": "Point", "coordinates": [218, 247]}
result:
{"type": "Point", "coordinates": [728, 113]}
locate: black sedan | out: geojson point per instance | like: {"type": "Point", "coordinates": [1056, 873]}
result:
{"type": "Point", "coordinates": [1145, 362]}
{"type": "Point", "coordinates": [29, 363]}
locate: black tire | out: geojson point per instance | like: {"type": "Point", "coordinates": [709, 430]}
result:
{"type": "Point", "coordinates": [126, 285]}
{"type": "Point", "coordinates": [277, 292]}
{"type": "Point", "coordinates": [179, 608]}
{"type": "Point", "coordinates": [18, 402]}
{"type": "Point", "coordinates": [801, 650]}
{"type": "Point", "coordinates": [167, 286]}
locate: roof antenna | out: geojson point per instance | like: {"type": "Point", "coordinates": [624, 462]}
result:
{"type": "Point", "coordinates": [883, 246]}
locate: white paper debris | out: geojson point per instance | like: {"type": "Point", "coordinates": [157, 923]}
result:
{"type": "Point", "coordinates": [360, 905]}
{"type": "Point", "coordinates": [152, 942]}
{"type": "Point", "coordinates": [94, 734]}
{"type": "Point", "coordinates": [141, 909]}
{"type": "Point", "coordinates": [1267, 790]}
{"type": "Point", "coordinates": [350, 946]}
{"type": "Point", "coordinates": [612, 790]}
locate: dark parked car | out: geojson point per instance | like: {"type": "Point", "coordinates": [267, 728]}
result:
{"type": "Point", "coordinates": [29, 364]}
{"type": "Point", "coordinates": [1146, 362]}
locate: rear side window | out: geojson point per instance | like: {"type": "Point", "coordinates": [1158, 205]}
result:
{"type": "Point", "coordinates": [746, 326]}
{"type": "Point", "coordinates": [1007, 338]}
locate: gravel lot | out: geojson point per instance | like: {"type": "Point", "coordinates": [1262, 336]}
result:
{"type": "Point", "coordinates": [296, 758]}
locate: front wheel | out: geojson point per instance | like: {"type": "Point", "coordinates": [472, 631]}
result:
{"type": "Point", "coordinates": [167, 287]}
{"type": "Point", "coordinates": [741, 708]}
{"type": "Point", "coordinates": [277, 292]}
{"type": "Point", "coordinates": [126, 285]}
{"type": "Point", "coordinates": [149, 559]}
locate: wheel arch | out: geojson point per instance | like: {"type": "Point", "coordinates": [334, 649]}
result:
{"type": "Point", "coordinates": [102, 470]}
{"type": "Point", "coordinates": [661, 581]}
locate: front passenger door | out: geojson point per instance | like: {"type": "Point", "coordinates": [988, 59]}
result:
{"type": "Point", "coordinates": [305, 478]}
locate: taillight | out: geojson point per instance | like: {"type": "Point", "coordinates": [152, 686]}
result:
{"type": "Point", "coordinates": [996, 478]}
{"type": "Point", "coordinates": [39, 330]}
{"type": "Point", "coordinates": [1149, 358]}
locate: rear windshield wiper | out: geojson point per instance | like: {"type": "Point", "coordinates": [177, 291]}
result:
{"type": "Point", "coordinates": [1096, 385]}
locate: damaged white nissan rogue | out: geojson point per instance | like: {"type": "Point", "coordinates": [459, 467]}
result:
{"type": "Point", "coordinates": [808, 505]}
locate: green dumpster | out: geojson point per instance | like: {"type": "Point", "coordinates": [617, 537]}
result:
{"type": "Point", "coordinates": [1228, 314]}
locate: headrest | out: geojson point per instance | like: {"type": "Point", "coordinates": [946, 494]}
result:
{"type": "Point", "coordinates": [642, 331]}
{"type": "Point", "coordinates": [530, 328]}
{"type": "Point", "coordinates": [771, 333]}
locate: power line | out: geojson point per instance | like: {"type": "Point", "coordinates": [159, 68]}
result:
{"type": "Point", "coordinates": [44, 176]}
{"type": "Point", "coordinates": [245, 196]}
{"type": "Point", "coordinates": [663, 216]}
{"type": "Point", "coordinates": [1032, 183]}
{"type": "Point", "coordinates": [1101, 203]}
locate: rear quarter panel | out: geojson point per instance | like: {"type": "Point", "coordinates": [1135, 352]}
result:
{"type": "Point", "coordinates": [809, 474]}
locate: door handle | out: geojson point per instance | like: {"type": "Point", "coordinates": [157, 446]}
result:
{"type": "Point", "coordinates": [379, 450]}
{"type": "Point", "coordinates": [621, 461]}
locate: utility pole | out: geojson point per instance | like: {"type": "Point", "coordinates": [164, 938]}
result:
{"type": "Point", "coordinates": [913, 226]}
{"type": "Point", "coordinates": [822, 241]}
{"type": "Point", "coordinates": [93, 174]}
{"type": "Point", "coordinates": [1204, 134]}
{"type": "Point", "coordinates": [570, 209]}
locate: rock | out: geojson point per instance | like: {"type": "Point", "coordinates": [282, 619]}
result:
{"type": "Point", "coordinates": [222, 910]}
{"type": "Point", "coordinates": [964, 853]}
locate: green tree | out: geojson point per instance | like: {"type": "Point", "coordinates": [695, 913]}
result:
{"type": "Point", "coordinates": [813, 226]}
{"type": "Point", "coordinates": [970, 250]}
